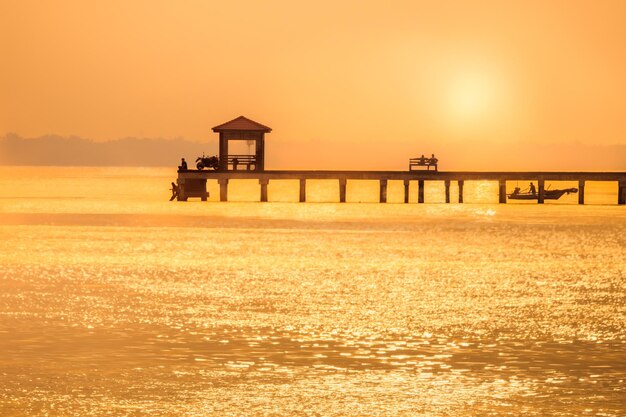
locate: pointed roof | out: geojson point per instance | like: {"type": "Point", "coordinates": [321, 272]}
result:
{"type": "Point", "coordinates": [242, 123]}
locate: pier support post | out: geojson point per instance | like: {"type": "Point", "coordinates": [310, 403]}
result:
{"type": "Point", "coordinates": [541, 191]}
{"type": "Point", "coordinates": [182, 196]}
{"type": "Point", "coordinates": [502, 191]}
{"type": "Point", "coordinates": [420, 191]}
{"type": "Point", "coordinates": [621, 193]}
{"type": "Point", "coordinates": [263, 183]}
{"type": "Point", "coordinates": [406, 191]}
{"type": "Point", "coordinates": [302, 190]}
{"type": "Point", "coordinates": [383, 191]}
{"type": "Point", "coordinates": [447, 184]}
{"type": "Point", "coordinates": [204, 195]}
{"type": "Point", "coordinates": [461, 183]}
{"type": "Point", "coordinates": [223, 182]}
{"type": "Point", "coordinates": [342, 190]}
{"type": "Point", "coordinates": [581, 192]}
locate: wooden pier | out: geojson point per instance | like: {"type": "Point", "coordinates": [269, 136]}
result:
{"type": "Point", "coordinates": [192, 183]}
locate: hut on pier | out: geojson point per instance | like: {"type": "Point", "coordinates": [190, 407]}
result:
{"type": "Point", "coordinates": [242, 128]}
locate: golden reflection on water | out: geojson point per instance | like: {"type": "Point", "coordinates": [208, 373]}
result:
{"type": "Point", "coordinates": [121, 303]}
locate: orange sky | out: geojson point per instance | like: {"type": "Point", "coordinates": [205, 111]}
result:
{"type": "Point", "coordinates": [414, 74]}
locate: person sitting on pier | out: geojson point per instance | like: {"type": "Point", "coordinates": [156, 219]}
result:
{"type": "Point", "coordinates": [433, 161]}
{"type": "Point", "coordinates": [533, 190]}
{"type": "Point", "coordinates": [422, 160]}
{"type": "Point", "coordinates": [174, 191]}
{"type": "Point", "coordinates": [183, 165]}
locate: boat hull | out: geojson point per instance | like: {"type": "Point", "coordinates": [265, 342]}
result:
{"type": "Point", "coordinates": [547, 195]}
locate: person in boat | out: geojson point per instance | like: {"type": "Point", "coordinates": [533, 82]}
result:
{"type": "Point", "coordinates": [516, 191]}
{"type": "Point", "coordinates": [183, 165]}
{"type": "Point", "coordinates": [533, 190]}
{"type": "Point", "coordinates": [174, 191]}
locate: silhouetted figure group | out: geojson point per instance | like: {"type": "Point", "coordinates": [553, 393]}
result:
{"type": "Point", "coordinates": [422, 161]}
{"type": "Point", "coordinates": [428, 161]}
{"type": "Point", "coordinates": [531, 189]}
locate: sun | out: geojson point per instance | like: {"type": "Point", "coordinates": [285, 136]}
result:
{"type": "Point", "coordinates": [471, 98]}
{"type": "Point", "coordinates": [478, 101]}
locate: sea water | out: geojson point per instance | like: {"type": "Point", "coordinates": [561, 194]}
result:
{"type": "Point", "coordinates": [115, 301]}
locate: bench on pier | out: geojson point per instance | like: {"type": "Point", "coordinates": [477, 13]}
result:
{"type": "Point", "coordinates": [249, 161]}
{"type": "Point", "coordinates": [416, 163]}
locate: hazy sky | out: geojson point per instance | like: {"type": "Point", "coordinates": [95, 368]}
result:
{"type": "Point", "coordinates": [422, 73]}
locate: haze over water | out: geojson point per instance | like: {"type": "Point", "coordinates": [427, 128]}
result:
{"type": "Point", "coordinates": [116, 301]}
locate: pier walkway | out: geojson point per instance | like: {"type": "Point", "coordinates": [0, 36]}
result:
{"type": "Point", "coordinates": [192, 183]}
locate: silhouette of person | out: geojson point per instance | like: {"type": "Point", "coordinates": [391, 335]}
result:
{"type": "Point", "coordinates": [533, 190]}
{"type": "Point", "coordinates": [516, 191]}
{"type": "Point", "coordinates": [174, 191]}
{"type": "Point", "coordinates": [183, 165]}
{"type": "Point", "coordinates": [422, 159]}
{"type": "Point", "coordinates": [433, 161]}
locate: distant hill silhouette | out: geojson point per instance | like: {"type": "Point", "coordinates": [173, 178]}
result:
{"type": "Point", "coordinates": [282, 154]}
{"type": "Point", "coordinates": [68, 151]}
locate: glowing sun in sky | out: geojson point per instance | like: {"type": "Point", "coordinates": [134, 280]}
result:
{"type": "Point", "coordinates": [471, 97]}
{"type": "Point", "coordinates": [476, 101]}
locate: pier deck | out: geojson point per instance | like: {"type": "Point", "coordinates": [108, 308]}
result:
{"type": "Point", "coordinates": [192, 183]}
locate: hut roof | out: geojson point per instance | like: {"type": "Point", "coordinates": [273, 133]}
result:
{"type": "Point", "coordinates": [242, 123]}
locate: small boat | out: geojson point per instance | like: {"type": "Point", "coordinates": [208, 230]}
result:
{"type": "Point", "coordinates": [547, 194]}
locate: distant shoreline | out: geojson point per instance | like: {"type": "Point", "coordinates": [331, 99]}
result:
{"type": "Point", "coordinates": [54, 150]}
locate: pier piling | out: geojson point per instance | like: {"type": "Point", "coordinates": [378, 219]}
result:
{"type": "Point", "coordinates": [420, 191]}
{"type": "Point", "coordinates": [406, 191]}
{"type": "Point", "coordinates": [342, 190]}
{"type": "Point", "coordinates": [383, 191]}
{"type": "Point", "coordinates": [541, 196]}
{"type": "Point", "coordinates": [461, 183]}
{"type": "Point", "coordinates": [502, 191]}
{"type": "Point", "coordinates": [581, 192]}
{"type": "Point", "coordinates": [182, 196]}
{"type": "Point", "coordinates": [223, 182]}
{"type": "Point", "coordinates": [447, 184]}
{"type": "Point", "coordinates": [264, 183]}
{"type": "Point", "coordinates": [621, 193]}
{"type": "Point", "coordinates": [302, 190]}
